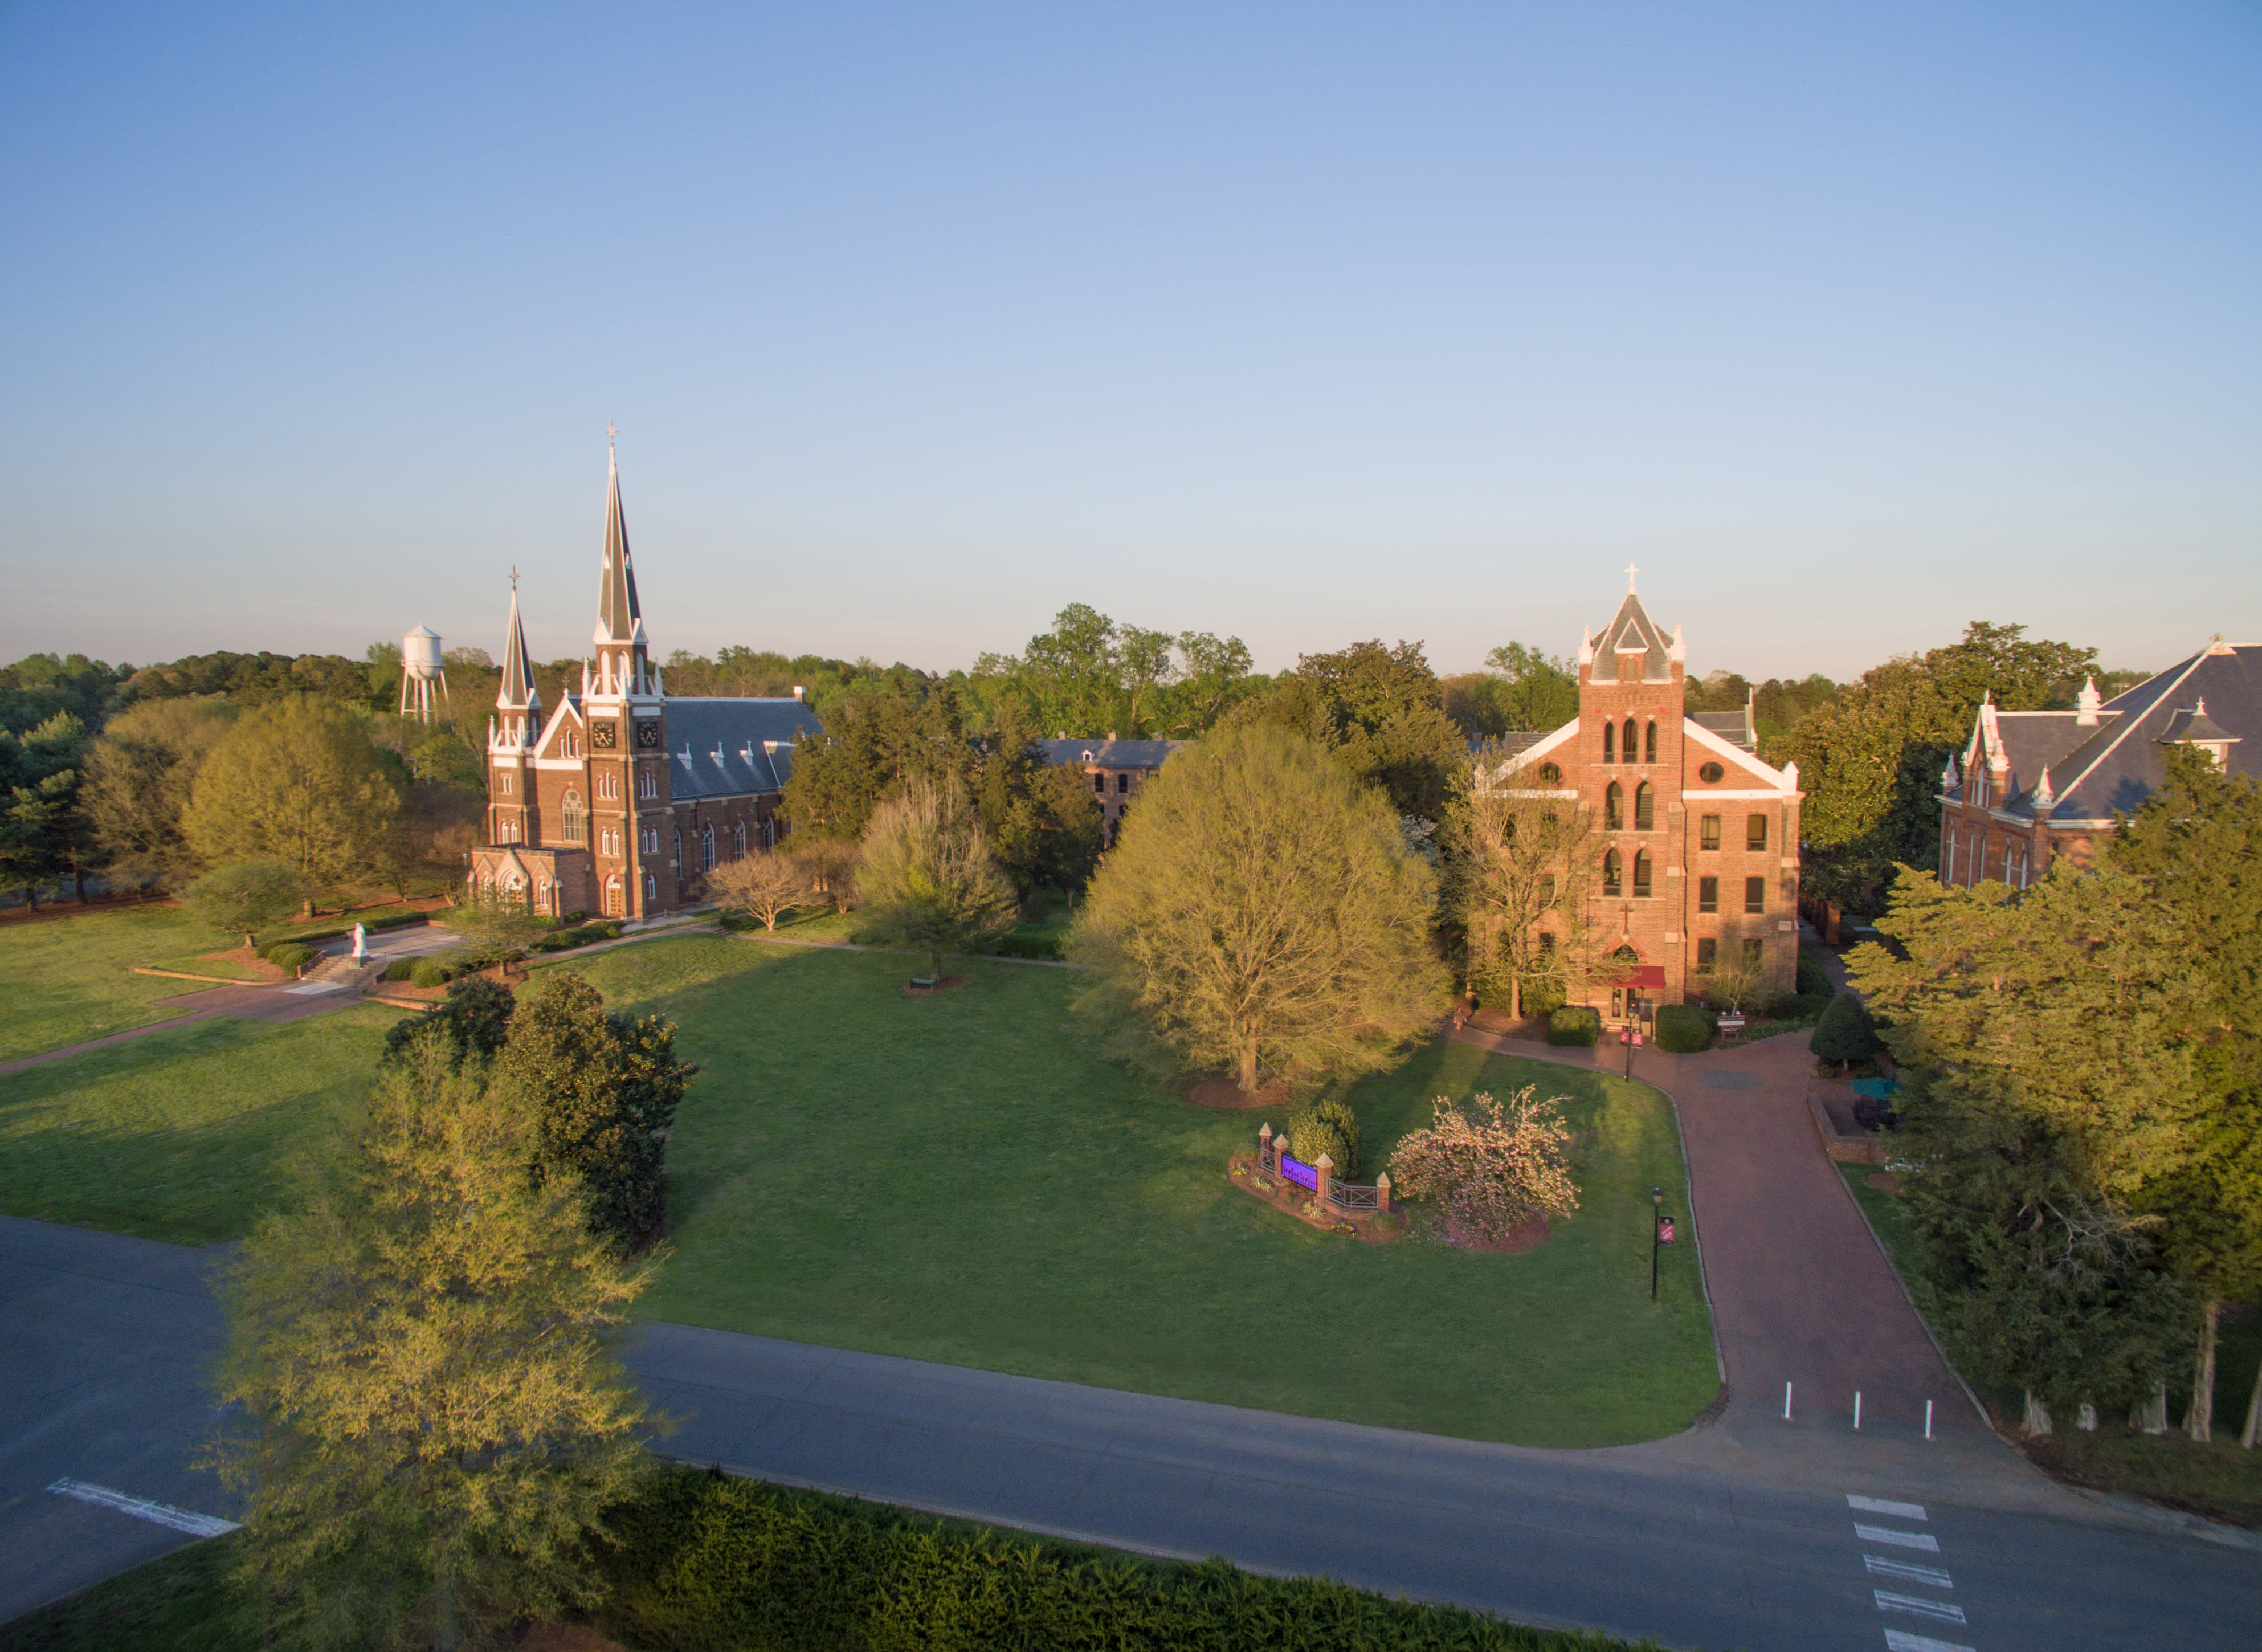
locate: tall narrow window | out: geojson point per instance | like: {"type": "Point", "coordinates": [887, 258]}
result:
{"type": "Point", "coordinates": [1546, 888]}
{"type": "Point", "coordinates": [1625, 751]}
{"type": "Point", "coordinates": [1755, 895]}
{"type": "Point", "coordinates": [1649, 744]}
{"type": "Point", "coordinates": [738, 841]}
{"type": "Point", "coordinates": [1755, 832]}
{"type": "Point", "coordinates": [1611, 882]}
{"type": "Point", "coordinates": [1614, 807]}
{"type": "Point", "coordinates": [706, 848]}
{"type": "Point", "coordinates": [1644, 807]}
{"type": "Point", "coordinates": [1708, 833]}
{"type": "Point", "coordinates": [1122, 782]}
{"type": "Point", "coordinates": [1708, 894]}
{"type": "Point", "coordinates": [572, 818]}
{"type": "Point", "coordinates": [1641, 875]}
{"type": "Point", "coordinates": [1099, 782]}
{"type": "Point", "coordinates": [1609, 742]}
{"type": "Point", "coordinates": [1708, 955]}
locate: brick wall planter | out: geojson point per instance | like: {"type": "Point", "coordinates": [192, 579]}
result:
{"type": "Point", "coordinates": [1311, 1193]}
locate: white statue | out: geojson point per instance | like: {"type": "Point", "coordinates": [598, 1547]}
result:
{"type": "Point", "coordinates": [361, 945]}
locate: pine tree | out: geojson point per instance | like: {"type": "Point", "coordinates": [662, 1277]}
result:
{"type": "Point", "coordinates": [1845, 1032]}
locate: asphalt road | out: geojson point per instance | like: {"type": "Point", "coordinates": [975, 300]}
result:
{"type": "Point", "coordinates": [1738, 1533]}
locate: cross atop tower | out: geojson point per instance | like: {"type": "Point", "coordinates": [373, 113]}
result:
{"type": "Point", "coordinates": [1631, 572]}
{"type": "Point", "coordinates": [513, 576]}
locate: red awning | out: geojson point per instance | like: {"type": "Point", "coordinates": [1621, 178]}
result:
{"type": "Point", "coordinates": [1648, 975]}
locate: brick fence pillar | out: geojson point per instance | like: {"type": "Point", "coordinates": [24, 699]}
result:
{"type": "Point", "coordinates": [1265, 1147]}
{"type": "Point", "coordinates": [1382, 1191]}
{"type": "Point", "coordinates": [1325, 1166]}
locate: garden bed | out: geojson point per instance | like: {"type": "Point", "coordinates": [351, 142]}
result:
{"type": "Point", "coordinates": [1222, 1094]}
{"type": "Point", "coordinates": [1373, 1227]}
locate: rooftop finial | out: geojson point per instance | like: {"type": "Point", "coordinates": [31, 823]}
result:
{"type": "Point", "coordinates": [514, 578]}
{"type": "Point", "coordinates": [612, 444]}
{"type": "Point", "coordinates": [1631, 572]}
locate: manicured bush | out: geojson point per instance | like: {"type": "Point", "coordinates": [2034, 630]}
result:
{"type": "Point", "coordinates": [428, 972]}
{"type": "Point", "coordinates": [1543, 996]}
{"type": "Point", "coordinates": [705, 1562]}
{"type": "Point", "coordinates": [1796, 1007]}
{"type": "Point", "coordinates": [1683, 1029]}
{"type": "Point", "coordinates": [1326, 1127]}
{"type": "Point", "coordinates": [290, 956]}
{"type": "Point", "coordinates": [1811, 981]}
{"type": "Point", "coordinates": [1845, 1032]}
{"type": "Point", "coordinates": [399, 969]}
{"type": "Point", "coordinates": [1574, 1024]}
{"type": "Point", "coordinates": [1028, 943]}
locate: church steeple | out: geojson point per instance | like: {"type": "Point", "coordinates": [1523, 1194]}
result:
{"type": "Point", "coordinates": [622, 665]}
{"type": "Point", "coordinates": [518, 692]}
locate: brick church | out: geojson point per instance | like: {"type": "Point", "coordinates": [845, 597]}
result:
{"type": "Point", "coordinates": [1699, 837]}
{"type": "Point", "coordinates": [618, 801]}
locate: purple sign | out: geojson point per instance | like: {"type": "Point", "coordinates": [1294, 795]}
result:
{"type": "Point", "coordinates": [1303, 1175]}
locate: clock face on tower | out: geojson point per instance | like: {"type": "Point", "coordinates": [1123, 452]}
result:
{"type": "Point", "coordinates": [604, 736]}
{"type": "Point", "coordinates": [647, 734]}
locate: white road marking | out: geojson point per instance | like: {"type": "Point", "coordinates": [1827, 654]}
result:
{"type": "Point", "coordinates": [1881, 1505]}
{"type": "Point", "coordinates": [312, 987]}
{"type": "Point", "coordinates": [1930, 1577]}
{"type": "Point", "coordinates": [1902, 1640]}
{"type": "Point", "coordinates": [1924, 1540]}
{"type": "Point", "coordinates": [141, 1508]}
{"type": "Point", "coordinates": [1887, 1601]}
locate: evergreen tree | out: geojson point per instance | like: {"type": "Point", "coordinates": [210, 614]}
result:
{"type": "Point", "coordinates": [1845, 1033]}
{"type": "Point", "coordinates": [1382, 713]}
{"type": "Point", "coordinates": [1041, 819]}
{"type": "Point", "coordinates": [472, 1024]}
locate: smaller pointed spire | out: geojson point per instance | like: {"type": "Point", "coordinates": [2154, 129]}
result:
{"type": "Point", "coordinates": [2045, 797]}
{"type": "Point", "coordinates": [2087, 704]}
{"type": "Point", "coordinates": [518, 692]}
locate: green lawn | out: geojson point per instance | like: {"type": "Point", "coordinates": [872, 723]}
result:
{"type": "Point", "coordinates": [72, 979]}
{"type": "Point", "coordinates": [184, 1134]}
{"type": "Point", "coordinates": [959, 1179]}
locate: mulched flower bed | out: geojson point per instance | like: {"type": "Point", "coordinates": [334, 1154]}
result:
{"type": "Point", "coordinates": [1226, 1096]}
{"type": "Point", "coordinates": [1373, 1227]}
{"type": "Point", "coordinates": [1526, 1236]}
{"type": "Point", "coordinates": [948, 984]}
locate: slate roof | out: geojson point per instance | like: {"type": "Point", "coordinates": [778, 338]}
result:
{"type": "Point", "coordinates": [2123, 760]}
{"type": "Point", "coordinates": [755, 738]}
{"type": "Point", "coordinates": [1731, 726]}
{"type": "Point", "coordinates": [1105, 753]}
{"type": "Point", "coordinates": [1508, 745]}
{"type": "Point", "coordinates": [1631, 635]}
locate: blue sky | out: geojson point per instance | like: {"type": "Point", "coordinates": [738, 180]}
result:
{"type": "Point", "coordinates": [1308, 322]}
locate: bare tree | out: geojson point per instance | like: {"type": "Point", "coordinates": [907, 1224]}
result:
{"type": "Point", "coordinates": [1524, 884]}
{"type": "Point", "coordinates": [766, 886]}
{"type": "Point", "coordinates": [830, 863]}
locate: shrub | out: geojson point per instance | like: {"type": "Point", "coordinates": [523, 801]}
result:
{"type": "Point", "coordinates": [1683, 1029]}
{"type": "Point", "coordinates": [1326, 1127]}
{"type": "Point", "coordinates": [399, 969]}
{"type": "Point", "coordinates": [428, 972]}
{"type": "Point", "coordinates": [702, 1561]}
{"type": "Point", "coordinates": [1574, 1024]}
{"type": "Point", "coordinates": [1845, 1032]}
{"type": "Point", "coordinates": [574, 918]}
{"type": "Point", "coordinates": [290, 956]}
{"type": "Point", "coordinates": [1543, 996]}
{"type": "Point", "coordinates": [1029, 943]}
{"type": "Point", "coordinates": [1494, 1165]}
{"type": "Point", "coordinates": [1797, 1006]}
{"type": "Point", "coordinates": [1811, 981]}
{"type": "Point", "coordinates": [472, 1022]}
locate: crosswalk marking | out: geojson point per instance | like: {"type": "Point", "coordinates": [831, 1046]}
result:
{"type": "Point", "coordinates": [1886, 1506]}
{"type": "Point", "coordinates": [1931, 1577]}
{"type": "Point", "coordinates": [1945, 1611]}
{"type": "Point", "coordinates": [1924, 1540]}
{"type": "Point", "coordinates": [1902, 1640]}
{"type": "Point", "coordinates": [141, 1508]}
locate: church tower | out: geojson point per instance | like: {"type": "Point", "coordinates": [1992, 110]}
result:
{"type": "Point", "coordinates": [512, 815]}
{"type": "Point", "coordinates": [621, 700]}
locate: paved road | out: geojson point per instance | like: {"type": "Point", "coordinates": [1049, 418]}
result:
{"type": "Point", "coordinates": [1731, 1535]}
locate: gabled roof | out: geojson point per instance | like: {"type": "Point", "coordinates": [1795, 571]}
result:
{"type": "Point", "coordinates": [1105, 753]}
{"type": "Point", "coordinates": [726, 748]}
{"type": "Point", "coordinates": [619, 617]}
{"type": "Point", "coordinates": [1632, 648]}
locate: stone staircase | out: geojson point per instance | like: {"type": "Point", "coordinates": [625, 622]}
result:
{"type": "Point", "coordinates": [342, 973]}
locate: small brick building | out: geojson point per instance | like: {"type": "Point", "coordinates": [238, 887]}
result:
{"type": "Point", "coordinates": [621, 799]}
{"type": "Point", "coordinates": [2032, 786]}
{"type": "Point", "coordinates": [1700, 836]}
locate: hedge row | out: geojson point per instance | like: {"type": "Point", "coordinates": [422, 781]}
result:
{"type": "Point", "coordinates": [1033, 943]}
{"type": "Point", "coordinates": [1580, 1024]}
{"type": "Point", "coordinates": [291, 957]}
{"type": "Point", "coordinates": [561, 939]}
{"type": "Point", "coordinates": [340, 932]}
{"type": "Point", "coordinates": [705, 1563]}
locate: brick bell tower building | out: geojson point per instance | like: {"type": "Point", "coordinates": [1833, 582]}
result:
{"type": "Point", "coordinates": [625, 798]}
{"type": "Point", "coordinates": [1700, 838]}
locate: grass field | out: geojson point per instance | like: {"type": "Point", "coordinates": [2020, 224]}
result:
{"type": "Point", "coordinates": [186, 1133]}
{"type": "Point", "coordinates": [958, 1179]}
{"type": "Point", "coordinates": [70, 980]}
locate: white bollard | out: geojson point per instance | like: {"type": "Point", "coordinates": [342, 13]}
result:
{"type": "Point", "coordinates": [1857, 1411]}
{"type": "Point", "coordinates": [1786, 1402]}
{"type": "Point", "coordinates": [1927, 1419]}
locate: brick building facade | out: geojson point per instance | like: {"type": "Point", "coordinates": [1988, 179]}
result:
{"type": "Point", "coordinates": [1700, 837]}
{"type": "Point", "coordinates": [1117, 769]}
{"type": "Point", "coordinates": [621, 798]}
{"type": "Point", "coordinates": [2032, 786]}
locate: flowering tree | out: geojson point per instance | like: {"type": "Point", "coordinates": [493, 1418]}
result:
{"type": "Point", "coordinates": [1495, 1164]}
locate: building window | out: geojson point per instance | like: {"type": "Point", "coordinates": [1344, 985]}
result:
{"type": "Point", "coordinates": [613, 894]}
{"type": "Point", "coordinates": [1122, 782]}
{"type": "Point", "coordinates": [647, 784]}
{"type": "Point", "coordinates": [572, 818]}
{"type": "Point", "coordinates": [1099, 782]}
{"type": "Point", "coordinates": [769, 833]}
{"type": "Point", "coordinates": [1948, 856]}
{"type": "Point", "coordinates": [2014, 865]}
{"type": "Point", "coordinates": [1614, 807]}
{"type": "Point", "coordinates": [651, 886]}
{"type": "Point", "coordinates": [1649, 744]}
{"type": "Point", "coordinates": [1625, 749]}
{"type": "Point", "coordinates": [1755, 832]}
{"type": "Point", "coordinates": [509, 782]}
{"type": "Point", "coordinates": [1609, 742]}
{"type": "Point", "coordinates": [1755, 894]}
{"type": "Point", "coordinates": [1708, 894]}
{"type": "Point", "coordinates": [1550, 775]}
{"type": "Point", "coordinates": [1611, 882]}
{"type": "Point", "coordinates": [738, 841]}
{"type": "Point", "coordinates": [706, 848]}
{"type": "Point", "coordinates": [1708, 955]}
{"type": "Point", "coordinates": [1644, 807]}
{"type": "Point", "coordinates": [608, 784]}
{"type": "Point", "coordinates": [1755, 953]}
{"type": "Point", "coordinates": [1708, 831]}
{"type": "Point", "coordinates": [1546, 893]}
{"type": "Point", "coordinates": [677, 862]}
{"type": "Point", "coordinates": [1710, 773]}
{"type": "Point", "coordinates": [1641, 875]}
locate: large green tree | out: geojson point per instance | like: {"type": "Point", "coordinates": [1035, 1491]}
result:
{"type": "Point", "coordinates": [1091, 675]}
{"type": "Point", "coordinates": [877, 742]}
{"type": "Point", "coordinates": [1522, 689]}
{"type": "Point", "coordinates": [140, 775]}
{"type": "Point", "coordinates": [1041, 819]}
{"type": "Point", "coordinates": [1870, 760]}
{"type": "Point", "coordinates": [298, 781]}
{"type": "Point", "coordinates": [1263, 914]}
{"type": "Point", "coordinates": [1522, 872]}
{"type": "Point", "coordinates": [1382, 712]}
{"type": "Point", "coordinates": [432, 1422]}
{"type": "Point", "coordinates": [928, 879]}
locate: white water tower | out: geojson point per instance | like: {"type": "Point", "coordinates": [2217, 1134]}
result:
{"type": "Point", "coordinates": [420, 668]}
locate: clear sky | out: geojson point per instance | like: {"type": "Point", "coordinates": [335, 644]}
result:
{"type": "Point", "coordinates": [1305, 322]}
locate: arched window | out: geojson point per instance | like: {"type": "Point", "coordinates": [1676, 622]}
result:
{"type": "Point", "coordinates": [678, 861]}
{"type": "Point", "coordinates": [1611, 882]}
{"type": "Point", "coordinates": [613, 895]}
{"type": "Point", "coordinates": [1649, 744]}
{"type": "Point", "coordinates": [706, 848]}
{"type": "Point", "coordinates": [574, 818]}
{"type": "Point", "coordinates": [1550, 775]}
{"type": "Point", "coordinates": [1614, 808]}
{"type": "Point", "coordinates": [738, 841]}
{"type": "Point", "coordinates": [1644, 807]}
{"type": "Point", "coordinates": [1628, 754]}
{"type": "Point", "coordinates": [651, 886]}
{"type": "Point", "coordinates": [769, 832]}
{"type": "Point", "coordinates": [1609, 742]}
{"type": "Point", "coordinates": [1641, 875]}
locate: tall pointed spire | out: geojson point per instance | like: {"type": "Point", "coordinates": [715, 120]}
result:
{"type": "Point", "coordinates": [518, 692]}
{"type": "Point", "coordinates": [619, 617]}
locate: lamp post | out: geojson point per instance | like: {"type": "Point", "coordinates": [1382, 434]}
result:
{"type": "Point", "coordinates": [1656, 1226]}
